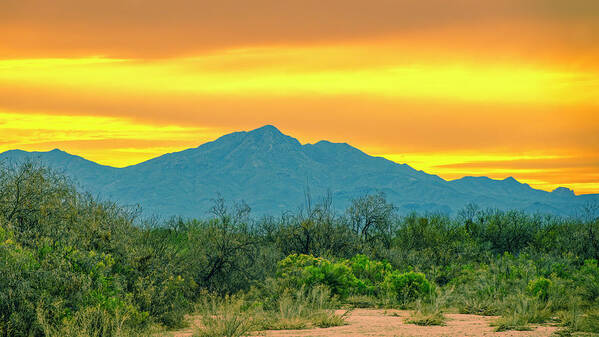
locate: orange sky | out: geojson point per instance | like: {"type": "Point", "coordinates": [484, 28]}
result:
{"type": "Point", "coordinates": [463, 87]}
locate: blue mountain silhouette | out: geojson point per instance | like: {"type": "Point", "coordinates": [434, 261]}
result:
{"type": "Point", "coordinates": [271, 172]}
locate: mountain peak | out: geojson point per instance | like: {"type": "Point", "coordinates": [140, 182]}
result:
{"type": "Point", "coordinates": [563, 191]}
{"type": "Point", "coordinates": [269, 134]}
{"type": "Point", "coordinates": [266, 129]}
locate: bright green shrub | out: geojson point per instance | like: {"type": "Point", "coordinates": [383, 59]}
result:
{"type": "Point", "coordinates": [539, 288]}
{"type": "Point", "coordinates": [308, 271]}
{"type": "Point", "coordinates": [369, 273]}
{"type": "Point", "coordinates": [407, 287]}
{"type": "Point", "coordinates": [358, 276]}
{"type": "Point", "coordinates": [294, 264]}
{"type": "Point", "coordinates": [337, 276]}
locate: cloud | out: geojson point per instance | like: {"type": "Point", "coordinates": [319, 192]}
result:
{"type": "Point", "coordinates": [553, 163]}
{"type": "Point", "coordinates": [577, 171]}
{"type": "Point", "coordinates": [156, 28]}
{"type": "Point", "coordinates": [380, 124]}
{"type": "Point", "coordinates": [108, 140]}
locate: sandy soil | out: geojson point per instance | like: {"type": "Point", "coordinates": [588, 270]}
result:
{"type": "Point", "coordinates": [371, 322]}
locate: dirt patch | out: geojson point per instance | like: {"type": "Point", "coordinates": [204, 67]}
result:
{"type": "Point", "coordinates": [374, 322]}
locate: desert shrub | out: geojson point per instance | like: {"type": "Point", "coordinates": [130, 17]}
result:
{"type": "Point", "coordinates": [329, 318]}
{"type": "Point", "coordinates": [369, 273]}
{"type": "Point", "coordinates": [520, 311]}
{"type": "Point", "coordinates": [357, 276]}
{"type": "Point", "coordinates": [483, 288]}
{"type": "Point", "coordinates": [72, 263]}
{"type": "Point", "coordinates": [506, 231]}
{"type": "Point", "coordinates": [426, 316]}
{"type": "Point", "coordinates": [298, 309]}
{"type": "Point", "coordinates": [511, 321]}
{"type": "Point", "coordinates": [337, 276]}
{"type": "Point", "coordinates": [223, 317]}
{"type": "Point", "coordinates": [362, 301]}
{"type": "Point", "coordinates": [293, 266]}
{"type": "Point", "coordinates": [586, 322]}
{"type": "Point", "coordinates": [17, 287]}
{"type": "Point", "coordinates": [587, 281]}
{"type": "Point", "coordinates": [430, 311]}
{"type": "Point", "coordinates": [539, 287]}
{"type": "Point", "coordinates": [432, 240]}
{"type": "Point", "coordinates": [407, 287]}
{"type": "Point", "coordinates": [91, 321]}
{"type": "Point", "coordinates": [313, 230]}
{"type": "Point", "coordinates": [308, 271]}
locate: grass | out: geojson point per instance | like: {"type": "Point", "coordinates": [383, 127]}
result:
{"type": "Point", "coordinates": [426, 318]}
{"type": "Point", "coordinates": [225, 327]}
{"type": "Point", "coordinates": [511, 322]}
{"type": "Point", "coordinates": [301, 310]}
{"type": "Point", "coordinates": [233, 317]}
{"type": "Point", "coordinates": [577, 322]}
{"type": "Point", "coordinates": [223, 317]}
{"type": "Point", "coordinates": [588, 322]}
{"type": "Point", "coordinates": [522, 311]}
{"type": "Point", "coordinates": [427, 314]}
{"type": "Point", "coordinates": [328, 318]}
{"type": "Point", "coordinates": [478, 306]}
{"type": "Point", "coordinates": [92, 322]}
{"type": "Point", "coordinates": [362, 301]}
{"type": "Point", "coordinates": [430, 311]}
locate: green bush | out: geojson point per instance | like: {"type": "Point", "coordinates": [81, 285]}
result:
{"type": "Point", "coordinates": [587, 281]}
{"type": "Point", "coordinates": [369, 274]}
{"type": "Point", "coordinates": [308, 271]}
{"type": "Point", "coordinates": [407, 287]}
{"type": "Point", "coordinates": [539, 287]}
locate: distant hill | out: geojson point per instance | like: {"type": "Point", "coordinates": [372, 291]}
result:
{"type": "Point", "coordinates": [270, 171]}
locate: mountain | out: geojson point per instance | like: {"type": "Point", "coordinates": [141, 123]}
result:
{"type": "Point", "coordinates": [271, 171]}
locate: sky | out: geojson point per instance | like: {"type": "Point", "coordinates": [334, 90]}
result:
{"type": "Point", "coordinates": [452, 87]}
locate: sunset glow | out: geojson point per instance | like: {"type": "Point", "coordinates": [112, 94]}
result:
{"type": "Point", "coordinates": [514, 91]}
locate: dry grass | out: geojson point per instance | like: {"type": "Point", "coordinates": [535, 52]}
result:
{"type": "Point", "coordinates": [232, 317]}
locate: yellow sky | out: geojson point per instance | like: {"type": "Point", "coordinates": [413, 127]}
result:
{"type": "Point", "coordinates": [503, 88]}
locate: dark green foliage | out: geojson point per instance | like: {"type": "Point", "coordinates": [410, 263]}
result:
{"type": "Point", "coordinates": [587, 281]}
{"type": "Point", "coordinates": [314, 230]}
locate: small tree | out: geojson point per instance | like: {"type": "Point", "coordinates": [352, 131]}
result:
{"type": "Point", "coordinates": [227, 246]}
{"type": "Point", "coordinates": [371, 217]}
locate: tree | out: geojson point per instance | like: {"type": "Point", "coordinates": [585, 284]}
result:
{"type": "Point", "coordinates": [313, 230]}
{"type": "Point", "coordinates": [227, 246]}
{"type": "Point", "coordinates": [371, 217]}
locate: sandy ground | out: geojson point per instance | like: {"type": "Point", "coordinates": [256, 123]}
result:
{"type": "Point", "coordinates": [371, 322]}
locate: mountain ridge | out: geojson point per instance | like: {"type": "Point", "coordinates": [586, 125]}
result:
{"type": "Point", "coordinates": [270, 171]}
